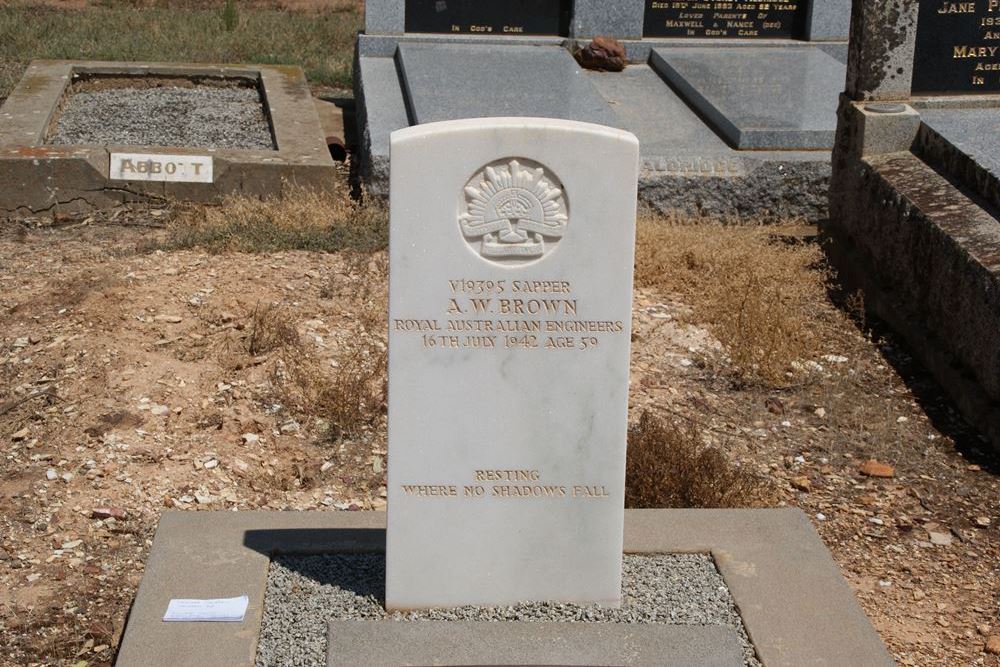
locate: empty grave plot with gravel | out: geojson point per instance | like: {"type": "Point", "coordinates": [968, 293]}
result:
{"type": "Point", "coordinates": [208, 113]}
{"type": "Point", "coordinates": [305, 592]}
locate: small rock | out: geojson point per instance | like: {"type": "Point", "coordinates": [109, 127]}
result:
{"type": "Point", "coordinates": [835, 359]}
{"type": "Point", "coordinates": [168, 319]}
{"type": "Point", "coordinates": [801, 483]}
{"type": "Point", "coordinates": [820, 412]}
{"type": "Point", "coordinates": [51, 475]}
{"type": "Point", "coordinates": [20, 435]}
{"type": "Point", "coordinates": [290, 426]}
{"type": "Point", "coordinates": [21, 342]}
{"type": "Point", "coordinates": [604, 54]}
{"type": "Point", "coordinates": [873, 468]}
{"type": "Point", "coordinates": [250, 438]}
{"type": "Point", "coordinates": [326, 466]}
{"type": "Point", "coordinates": [993, 645]}
{"type": "Point", "coordinates": [160, 410]}
{"type": "Point", "coordinates": [876, 521]}
{"type": "Point", "coordinates": [211, 463]}
{"type": "Point", "coordinates": [820, 516]}
{"type": "Point", "coordinates": [204, 498]}
{"type": "Point", "coordinates": [982, 521]}
{"type": "Point", "coordinates": [940, 539]}
{"type": "Point", "coordinates": [72, 544]}
{"type": "Point", "coordinates": [919, 595]}
{"type": "Point", "coordinates": [984, 629]}
{"type": "Point", "coordinates": [108, 513]}
{"type": "Point", "coordinates": [32, 578]}
{"type": "Point", "coordinates": [774, 405]}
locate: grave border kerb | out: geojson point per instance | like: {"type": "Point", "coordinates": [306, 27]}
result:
{"type": "Point", "coordinates": [28, 166]}
{"type": "Point", "coordinates": [796, 606]}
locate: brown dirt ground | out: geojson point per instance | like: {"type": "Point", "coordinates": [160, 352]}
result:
{"type": "Point", "coordinates": [116, 374]}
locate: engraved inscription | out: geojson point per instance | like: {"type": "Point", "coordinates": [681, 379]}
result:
{"type": "Point", "coordinates": [488, 17]}
{"type": "Point", "coordinates": [156, 167]}
{"type": "Point", "coordinates": [958, 47]}
{"type": "Point", "coordinates": [509, 484]}
{"type": "Point", "coordinates": [513, 211]}
{"type": "Point", "coordinates": [747, 19]}
{"type": "Point", "coordinates": [510, 315]}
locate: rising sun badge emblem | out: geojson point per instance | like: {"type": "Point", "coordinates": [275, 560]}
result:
{"type": "Point", "coordinates": [514, 211]}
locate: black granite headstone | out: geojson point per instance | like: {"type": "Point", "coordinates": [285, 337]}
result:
{"type": "Point", "coordinates": [958, 47]}
{"type": "Point", "coordinates": [489, 17]}
{"type": "Point", "coordinates": [730, 19]}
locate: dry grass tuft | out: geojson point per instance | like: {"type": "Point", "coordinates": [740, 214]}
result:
{"type": "Point", "coordinates": [670, 466]}
{"type": "Point", "coordinates": [300, 219]}
{"type": "Point", "coordinates": [319, 39]}
{"type": "Point", "coordinates": [756, 294]}
{"type": "Point", "coordinates": [270, 329]}
{"type": "Point", "coordinates": [352, 397]}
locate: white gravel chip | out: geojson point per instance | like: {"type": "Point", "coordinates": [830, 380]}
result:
{"type": "Point", "coordinates": [304, 592]}
{"type": "Point", "coordinates": [202, 116]}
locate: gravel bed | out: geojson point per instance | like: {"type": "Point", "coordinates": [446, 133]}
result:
{"type": "Point", "coordinates": [304, 592]}
{"type": "Point", "coordinates": [195, 117]}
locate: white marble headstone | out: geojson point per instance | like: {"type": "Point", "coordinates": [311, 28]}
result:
{"type": "Point", "coordinates": [511, 250]}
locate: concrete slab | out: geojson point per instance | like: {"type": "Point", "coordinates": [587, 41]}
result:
{"type": "Point", "coordinates": [394, 643]}
{"type": "Point", "coordinates": [965, 142]}
{"type": "Point", "coordinates": [765, 98]}
{"type": "Point", "coordinates": [688, 169]}
{"type": "Point", "coordinates": [829, 20]}
{"type": "Point", "coordinates": [451, 81]}
{"type": "Point", "coordinates": [381, 110]}
{"type": "Point", "coordinates": [646, 106]}
{"type": "Point", "coordinates": [927, 255]}
{"type": "Point", "coordinates": [796, 607]}
{"type": "Point", "coordinates": [621, 20]}
{"type": "Point", "coordinates": [35, 177]}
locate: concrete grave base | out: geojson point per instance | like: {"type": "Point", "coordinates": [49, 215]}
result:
{"type": "Point", "coordinates": [914, 224]}
{"type": "Point", "coordinates": [352, 643]}
{"type": "Point", "coordinates": [37, 177]}
{"type": "Point", "coordinates": [711, 143]}
{"type": "Point", "coordinates": [795, 606]}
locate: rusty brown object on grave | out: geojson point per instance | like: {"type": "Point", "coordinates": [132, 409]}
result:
{"type": "Point", "coordinates": [604, 54]}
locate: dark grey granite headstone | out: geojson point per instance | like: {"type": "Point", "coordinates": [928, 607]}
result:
{"type": "Point", "coordinates": [957, 49]}
{"type": "Point", "coordinates": [752, 19]}
{"type": "Point", "coordinates": [489, 17]}
{"type": "Point", "coordinates": [450, 81]}
{"type": "Point", "coordinates": [425, 643]}
{"type": "Point", "coordinates": [769, 98]}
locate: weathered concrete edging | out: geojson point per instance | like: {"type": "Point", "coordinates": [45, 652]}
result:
{"type": "Point", "coordinates": [36, 177]}
{"type": "Point", "coordinates": [928, 260]}
{"type": "Point", "coordinates": [796, 607]}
